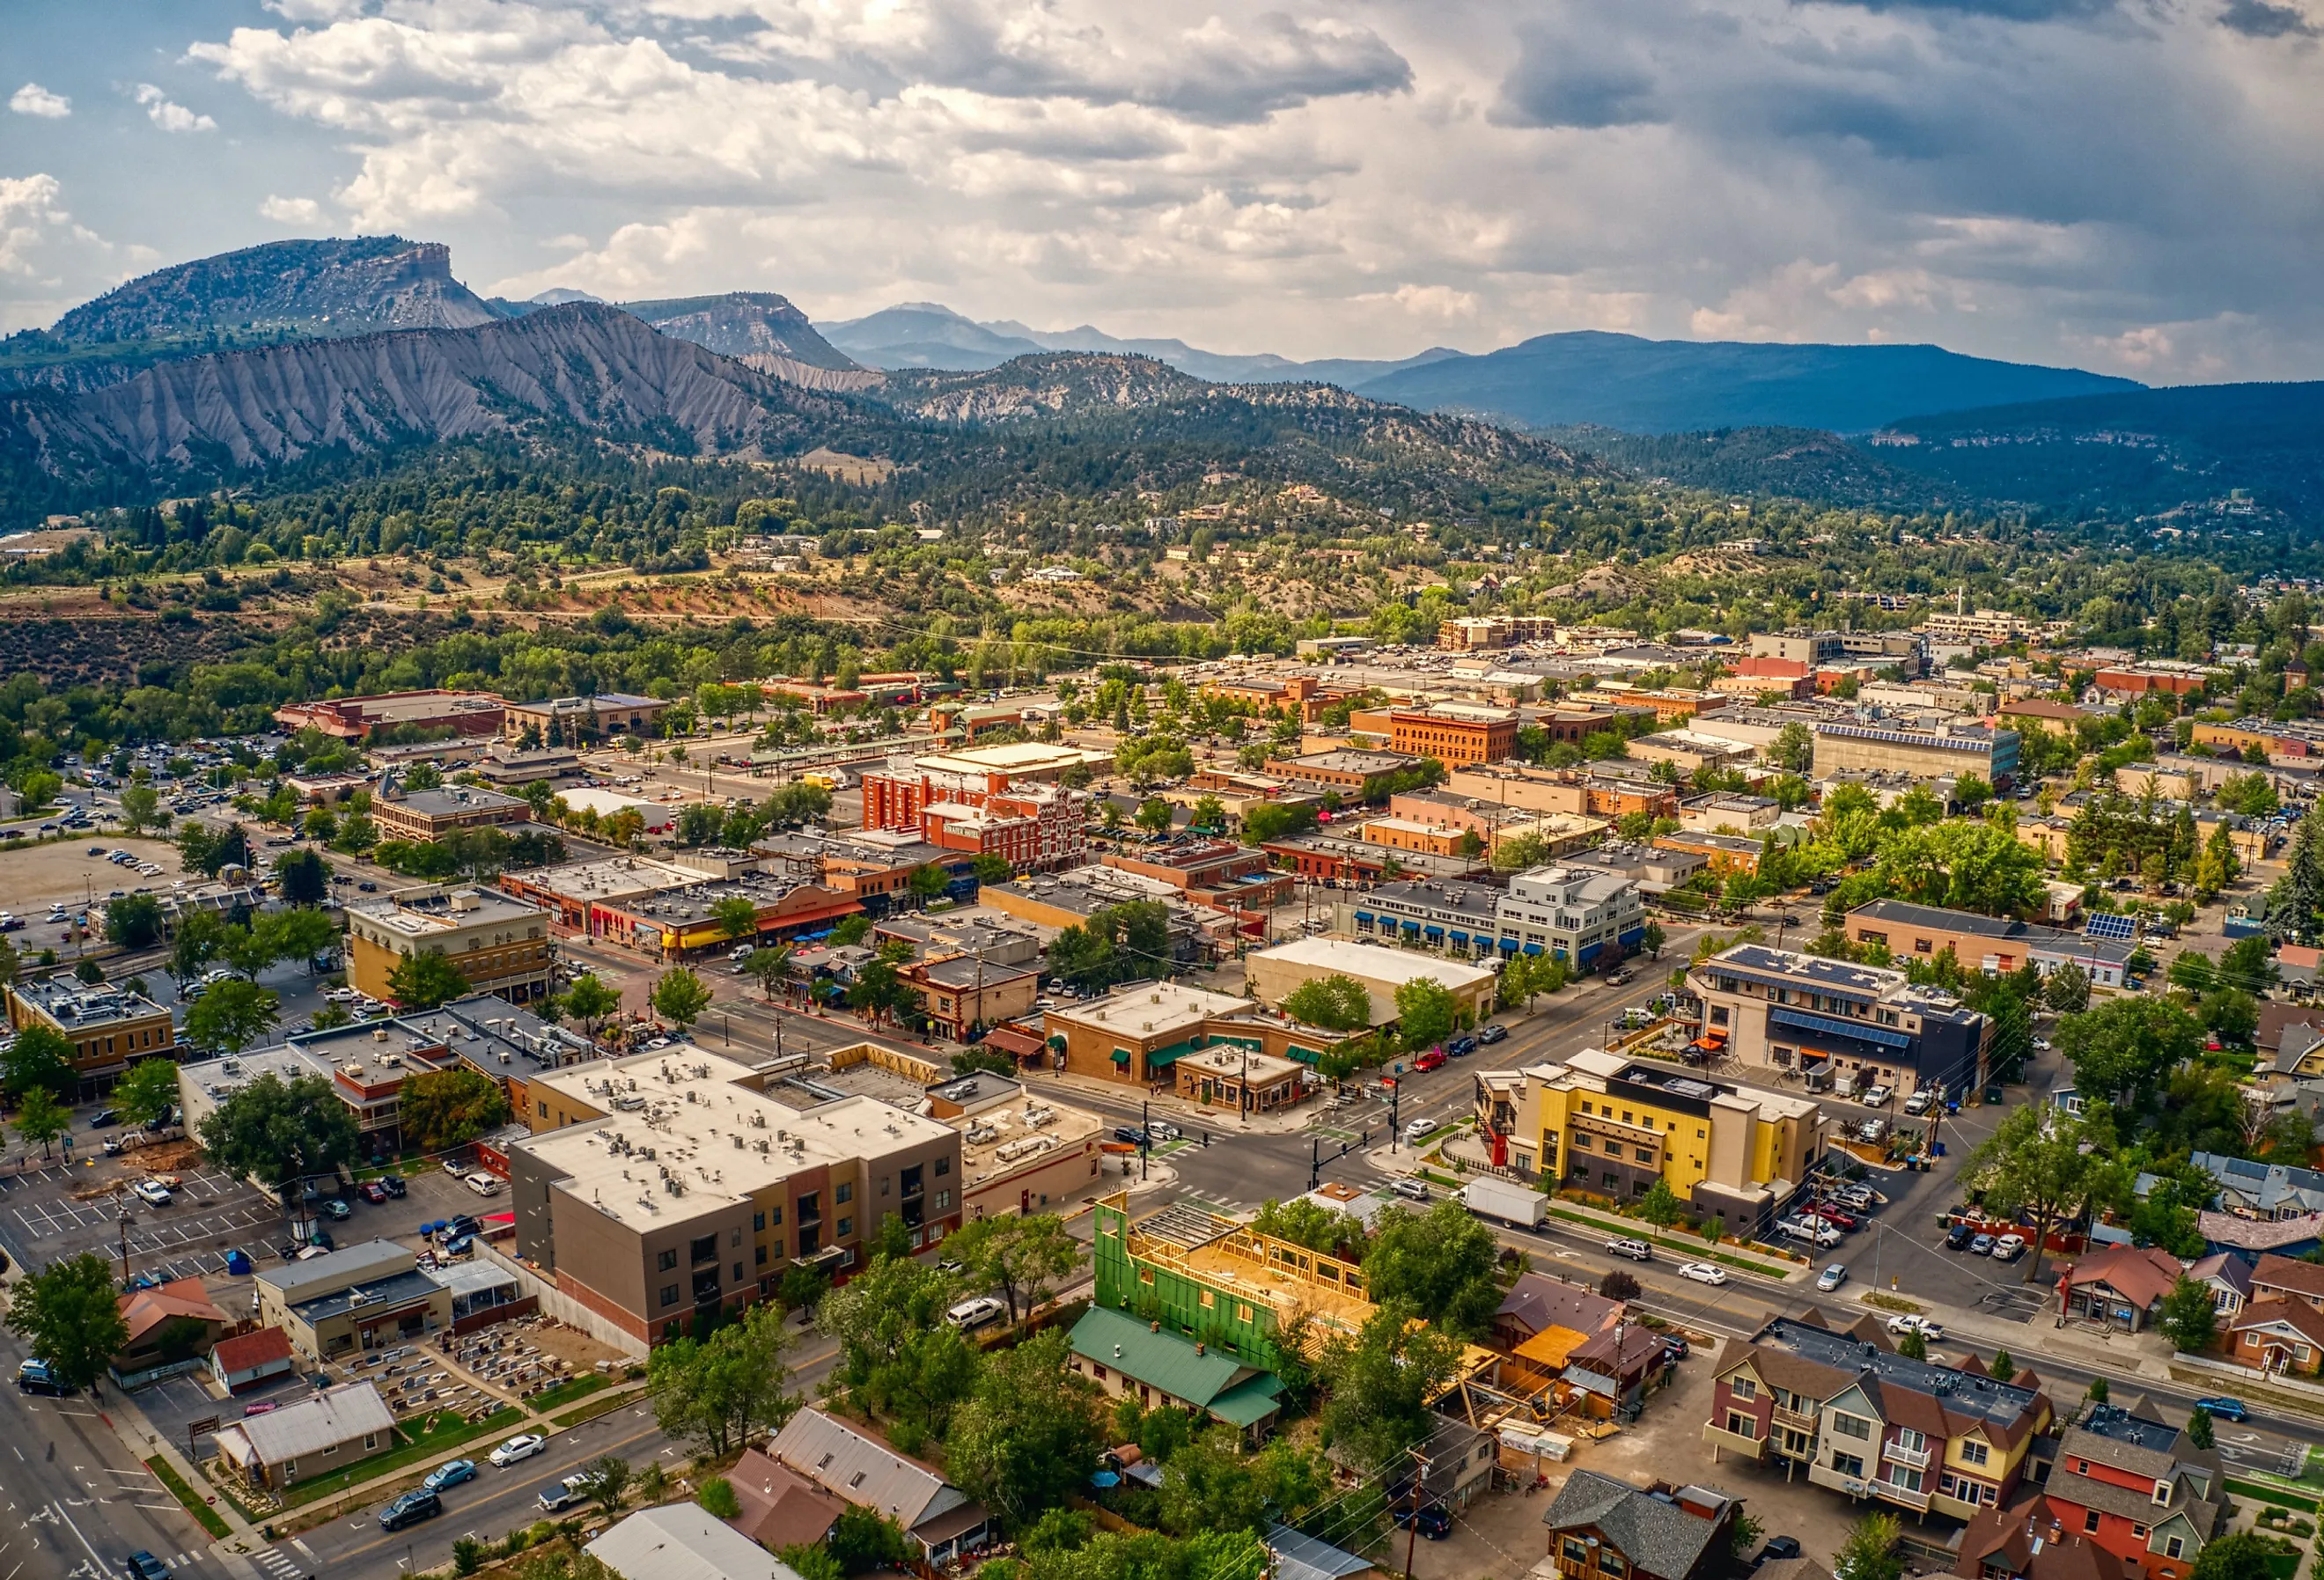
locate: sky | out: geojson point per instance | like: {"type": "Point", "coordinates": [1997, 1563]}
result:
{"type": "Point", "coordinates": [2132, 186]}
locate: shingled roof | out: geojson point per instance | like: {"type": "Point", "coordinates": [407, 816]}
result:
{"type": "Point", "coordinates": [1659, 1537]}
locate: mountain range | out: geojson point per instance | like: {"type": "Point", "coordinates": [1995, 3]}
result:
{"type": "Point", "coordinates": [269, 357]}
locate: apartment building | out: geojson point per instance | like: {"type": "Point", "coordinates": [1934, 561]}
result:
{"type": "Point", "coordinates": [499, 944]}
{"type": "Point", "coordinates": [1298, 693]}
{"type": "Point", "coordinates": [895, 793]}
{"type": "Point", "coordinates": [109, 1027]}
{"type": "Point", "coordinates": [1863, 1421]}
{"type": "Point", "coordinates": [1032, 829]}
{"type": "Point", "coordinates": [1890, 745]}
{"type": "Point", "coordinates": [1559, 833]}
{"type": "Point", "coordinates": [1976, 627]}
{"type": "Point", "coordinates": [2168, 676]}
{"type": "Point", "coordinates": [1478, 634]}
{"type": "Point", "coordinates": [571, 720]}
{"type": "Point", "coordinates": [1655, 870]}
{"type": "Point", "coordinates": [1454, 732]}
{"type": "Point", "coordinates": [2139, 1489]}
{"type": "Point", "coordinates": [623, 1197]}
{"type": "Point", "coordinates": [1986, 943]}
{"type": "Point", "coordinates": [1613, 1125]}
{"type": "Point", "coordinates": [431, 814]}
{"type": "Point", "coordinates": [1837, 1025]}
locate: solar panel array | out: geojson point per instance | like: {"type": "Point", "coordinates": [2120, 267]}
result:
{"type": "Point", "coordinates": [2107, 925]}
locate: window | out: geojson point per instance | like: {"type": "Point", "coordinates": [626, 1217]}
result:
{"type": "Point", "coordinates": [1848, 1464]}
{"type": "Point", "coordinates": [703, 1249]}
{"type": "Point", "coordinates": [1739, 1425]}
{"type": "Point", "coordinates": [735, 1239]}
{"type": "Point", "coordinates": [846, 1228]}
{"type": "Point", "coordinates": [669, 1294]}
{"type": "Point", "coordinates": [1743, 1387]}
{"type": "Point", "coordinates": [1911, 1441]}
{"type": "Point", "coordinates": [944, 1200]}
{"type": "Point", "coordinates": [1581, 1143]}
{"type": "Point", "coordinates": [775, 1217]}
{"type": "Point", "coordinates": [2174, 1547]}
{"type": "Point", "coordinates": [1242, 1312]}
{"type": "Point", "coordinates": [1576, 1550]}
{"type": "Point", "coordinates": [1209, 1297]}
{"type": "Point", "coordinates": [758, 1223]}
{"type": "Point", "coordinates": [666, 1260]}
{"type": "Point", "coordinates": [2163, 1494]}
{"type": "Point", "coordinates": [844, 1193]}
{"type": "Point", "coordinates": [1849, 1425]}
{"type": "Point", "coordinates": [1645, 1154]}
{"type": "Point", "coordinates": [1973, 1452]}
{"type": "Point", "coordinates": [1907, 1479]}
{"type": "Point", "coordinates": [2090, 1522]}
{"type": "Point", "coordinates": [371, 1441]}
{"type": "Point", "coordinates": [761, 1256]}
{"type": "Point", "coordinates": [1610, 1562]}
{"type": "Point", "coordinates": [2139, 1531]}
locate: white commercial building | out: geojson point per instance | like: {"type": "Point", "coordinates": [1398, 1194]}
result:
{"type": "Point", "coordinates": [1272, 975]}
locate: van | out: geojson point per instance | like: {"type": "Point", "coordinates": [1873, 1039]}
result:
{"type": "Point", "coordinates": [483, 1184]}
{"type": "Point", "coordinates": [971, 1315]}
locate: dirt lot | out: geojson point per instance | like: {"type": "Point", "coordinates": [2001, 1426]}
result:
{"type": "Point", "coordinates": [32, 877]}
{"type": "Point", "coordinates": [1500, 1535]}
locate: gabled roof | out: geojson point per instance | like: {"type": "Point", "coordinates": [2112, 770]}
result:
{"type": "Point", "coordinates": [780, 1507]}
{"type": "Point", "coordinates": [1176, 1365]}
{"type": "Point", "coordinates": [2257, 1234]}
{"type": "Point", "coordinates": [2223, 1267]}
{"type": "Point", "coordinates": [146, 1310]}
{"type": "Point", "coordinates": [866, 1472]}
{"type": "Point", "coordinates": [684, 1541]}
{"type": "Point", "coordinates": [1660, 1537]}
{"type": "Point", "coordinates": [246, 1351]}
{"type": "Point", "coordinates": [1537, 1301]}
{"type": "Point", "coordinates": [1304, 1558]}
{"type": "Point", "coordinates": [2288, 1272]}
{"type": "Point", "coordinates": [2141, 1275]}
{"type": "Point", "coordinates": [335, 1415]}
{"type": "Point", "coordinates": [2270, 1310]}
{"type": "Point", "coordinates": [2032, 1540]}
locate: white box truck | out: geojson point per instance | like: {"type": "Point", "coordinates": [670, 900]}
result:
{"type": "Point", "coordinates": [1506, 1200]}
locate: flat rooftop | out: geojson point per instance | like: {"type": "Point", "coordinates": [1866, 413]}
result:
{"type": "Point", "coordinates": [1011, 757]}
{"type": "Point", "coordinates": [1347, 760]}
{"type": "Point", "coordinates": [999, 1140]}
{"type": "Point", "coordinates": [78, 1007]}
{"type": "Point", "coordinates": [419, 917]}
{"type": "Point", "coordinates": [2002, 1403]}
{"type": "Point", "coordinates": [716, 1142]}
{"type": "Point", "coordinates": [452, 801]}
{"type": "Point", "coordinates": [1150, 1009]}
{"type": "Point", "coordinates": [1396, 965]}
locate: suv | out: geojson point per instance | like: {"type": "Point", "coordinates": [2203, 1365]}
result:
{"type": "Point", "coordinates": [34, 1377]}
{"type": "Point", "coordinates": [971, 1315]}
{"type": "Point", "coordinates": [1635, 1250]}
{"type": "Point", "coordinates": [413, 1506]}
{"type": "Point", "coordinates": [1958, 1237]}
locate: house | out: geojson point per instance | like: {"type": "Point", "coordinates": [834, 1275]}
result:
{"type": "Point", "coordinates": [684, 1541]}
{"type": "Point", "coordinates": [2122, 1285]}
{"type": "Point", "coordinates": [1129, 1358]}
{"type": "Point", "coordinates": [2262, 1190]}
{"type": "Point", "coordinates": [2278, 1333]}
{"type": "Point", "coordinates": [780, 1507]}
{"type": "Point", "coordinates": [1600, 1529]}
{"type": "Point", "coordinates": [173, 1324]}
{"type": "Point", "coordinates": [316, 1437]}
{"type": "Point", "coordinates": [2137, 1488]}
{"type": "Point", "coordinates": [2228, 1276]}
{"type": "Point", "coordinates": [1299, 1557]}
{"type": "Point", "coordinates": [2294, 1237]}
{"type": "Point", "coordinates": [2288, 1276]}
{"type": "Point", "coordinates": [2029, 1541]}
{"type": "Point", "coordinates": [1456, 1463]}
{"type": "Point", "coordinates": [1538, 1303]}
{"type": "Point", "coordinates": [249, 1359]}
{"type": "Point", "coordinates": [942, 1522]}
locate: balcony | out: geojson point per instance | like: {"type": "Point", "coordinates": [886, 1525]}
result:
{"type": "Point", "coordinates": [1906, 1496]}
{"type": "Point", "coordinates": [1719, 1438]}
{"type": "Point", "coordinates": [1910, 1458]}
{"type": "Point", "coordinates": [1798, 1420]}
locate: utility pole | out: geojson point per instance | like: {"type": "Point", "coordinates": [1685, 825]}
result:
{"type": "Point", "coordinates": [1395, 1129]}
{"type": "Point", "coordinates": [1145, 1136]}
{"type": "Point", "coordinates": [1411, 1505]}
{"type": "Point", "coordinates": [127, 1218]}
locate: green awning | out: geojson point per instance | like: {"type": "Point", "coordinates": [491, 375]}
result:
{"type": "Point", "coordinates": [1164, 1058]}
{"type": "Point", "coordinates": [1121, 1056]}
{"type": "Point", "coordinates": [1249, 1401]}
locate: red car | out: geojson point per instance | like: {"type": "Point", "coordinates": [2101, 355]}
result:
{"type": "Point", "coordinates": [375, 1192]}
{"type": "Point", "coordinates": [1434, 1059]}
{"type": "Point", "coordinates": [1836, 1218]}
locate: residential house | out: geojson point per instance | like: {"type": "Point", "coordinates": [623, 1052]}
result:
{"type": "Point", "coordinates": [2277, 1333]}
{"type": "Point", "coordinates": [1861, 1419]}
{"type": "Point", "coordinates": [2228, 1276]}
{"type": "Point", "coordinates": [780, 1507]}
{"type": "Point", "coordinates": [172, 1325]}
{"type": "Point", "coordinates": [2253, 1237]}
{"type": "Point", "coordinates": [2028, 1540]}
{"type": "Point", "coordinates": [943, 1522]}
{"type": "Point", "coordinates": [684, 1541]}
{"type": "Point", "coordinates": [316, 1437]}
{"type": "Point", "coordinates": [249, 1359]}
{"type": "Point", "coordinates": [1132, 1359]}
{"type": "Point", "coordinates": [2121, 1286]}
{"type": "Point", "coordinates": [1455, 1463]}
{"type": "Point", "coordinates": [2290, 1277]}
{"type": "Point", "coordinates": [2139, 1489]}
{"type": "Point", "coordinates": [1538, 1304]}
{"type": "Point", "coordinates": [2262, 1190]}
{"type": "Point", "coordinates": [1600, 1529]}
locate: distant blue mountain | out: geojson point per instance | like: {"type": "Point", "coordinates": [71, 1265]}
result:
{"type": "Point", "coordinates": [1678, 387]}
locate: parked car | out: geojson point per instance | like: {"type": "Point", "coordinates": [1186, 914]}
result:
{"type": "Point", "coordinates": [1461, 1047]}
{"type": "Point", "coordinates": [1917, 1103]}
{"type": "Point", "coordinates": [971, 1315]}
{"type": "Point", "coordinates": [1416, 1130]}
{"type": "Point", "coordinates": [1432, 1521]}
{"type": "Point", "coordinates": [1494, 1033]}
{"type": "Point", "coordinates": [1814, 1231]}
{"type": "Point", "coordinates": [524, 1446]}
{"type": "Point", "coordinates": [104, 1118]}
{"type": "Point", "coordinates": [1913, 1322]}
{"type": "Point", "coordinates": [374, 1193]}
{"type": "Point", "coordinates": [450, 1474]}
{"type": "Point", "coordinates": [1846, 1222]}
{"type": "Point", "coordinates": [1982, 1245]}
{"type": "Point", "coordinates": [563, 1494]}
{"type": "Point", "coordinates": [1833, 1277]}
{"type": "Point", "coordinates": [1702, 1272]}
{"type": "Point", "coordinates": [1635, 1250]}
{"type": "Point", "coordinates": [2010, 1248]}
{"type": "Point", "coordinates": [1132, 1134]}
{"type": "Point", "coordinates": [1434, 1059]}
{"type": "Point", "coordinates": [1410, 1189]}
{"type": "Point", "coordinates": [394, 1186]}
{"type": "Point", "coordinates": [413, 1506]}
{"type": "Point", "coordinates": [483, 1184]}
{"type": "Point", "coordinates": [1780, 1546]}
{"type": "Point", "coordinates": [33, 1376]}
{"type": "Point", "coordinates": [1958, 1237]}
{"type": "Point", "coordinates": [2223, 1408]}
{"type": "Point", "coordinates": [153, 1193]}
{"type": "Point", "coordinates": [337, 1210]}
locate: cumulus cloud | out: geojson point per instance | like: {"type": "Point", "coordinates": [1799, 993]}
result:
{"type": "Point", "coordinates": [170, 115]}
{"type": "Point", "coordinates": [303, 211]}
{"type": "Point", "coordinates": [2045, 180]}
{"type": "Point", "coordinates": [47, 258]}
{"type": "Point", "coordinates": [33, 99]}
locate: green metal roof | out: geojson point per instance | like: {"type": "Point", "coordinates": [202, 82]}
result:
{"type": "Point", "coordinates": [1249, 1401]}
{"type": "Point", "coordinates": [1169, 1362]}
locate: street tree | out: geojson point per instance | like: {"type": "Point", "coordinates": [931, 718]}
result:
{"type": "Point", "coordinates": [233, 1015]}
{"type": "Point", "coordinates": [141, 808]}
{"type": "Point", "coordinates": [304, 935]}
{"type": "Point", "coordinates": [69, 1315]}
{"type": "Point", "coordinates": [40, 1117]}
{"type": "Point", "coordinates": [879, 990]}
{"type": "Point", "coordinates": [737, 916]}
{"type": "Point", "coordinates": [680, 997]}
{"type": "Point", "coordinates": [444, 1108]}
{"type": "Point", "coordinates": [2124, 1050]}
{"type": "Point", "coordinates": [606, 1480]}
{"type": "Point", "coordinates": [302, 878]}
{"type": "Point", "coordinates": [2191, 1319]}
{"type": "Point", "coordinates": [1030, 1434]}
{"type": "Point", "coordinates": [896, 1355]}
{"type": "Point", "coordinates": [1336, 1003]}
{"type": "Point", "coordinates": [1440, 1261]}
{"type": "Point", "coordinates": [279, 1131]}
{"type": "Point", "coordinates": [1154, 815]}
{"type": "Point", "coordinates": [927, 883]}
{"type": "Point", "coordinates": [200, 936]}
{"type": "Point", "coordinates": [722, 1393]}
{"type": "Point", "coordinates": [426, 979]}
{"type": "Point", "coordinates": [1426, 1012]}
{"type": "Point", "coordinates": [769, 964]}
{"type": "Point", "coordinates": [590, 1001]}
{"type": "Point", "coordinates": [134, 921]}
{"type": "Point", "coordinates": [1025, 1258]}
{"type": "Point", "coordinates": [1383, 1378]}
{"type": "Point", "coordinates": [39, 1059]}
{"type": "Point", "coordinates": [1660, 1205]}
{"type": "Point", "coordinates": [2034, 1166]}
{"type": "Point", "coordinates": [147, 1093]}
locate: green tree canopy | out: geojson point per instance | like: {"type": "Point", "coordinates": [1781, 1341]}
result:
{"type": "Point", "coordinates": [722, 1393]}
{"type": "Point", "coordinates": [280, 1131]}
{"type": "Point", "coordinates": [426, 979]}
{"type": "Point", "coordinates": [1426, 1012]}
{"type": "Point", "coordinates": [2191, 1319]}
{"type": "Point", "coordinates": [2035, 1164]}
{"type": "Point", "coordinates": [147, 1091]}
{"type": "Point", "coordinates": [444, 1108]}
{"type": "Point", "coordinates": [680, 997]}
{"type": "Point", "coordinates": [134, 921]}
{"type": "Point", "coordinates": [590, 999]}
{"type": "Point", "coordinates": [2125, 1049]}
{"type": "Point", "coordinates": [1383, 1378]}
{"type": "Point", "coordinates": [39, 1059]}
{"type": "Point", "coordinates": [70, 1315]}
{"type": "Point", "coordinates": [1030, 1434]}
{"type": "Point", "coordinates": [1440, 1261]}
{"type": "Point", "coordinates": [1336, 1003]}
{"type": "Point", "coordinates": [232, 1015]}
{"type": "Point", "coordinates": [1024, 1257]}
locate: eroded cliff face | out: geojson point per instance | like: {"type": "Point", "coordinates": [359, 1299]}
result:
{"type": "Point", "coordinates": [743, 323]}
{"type": "Point", "coordinates": [317, 288]}
{"type": "Point", "coordinates": [593, 367]}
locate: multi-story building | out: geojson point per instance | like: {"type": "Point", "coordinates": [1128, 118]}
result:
{"type": "Point", "coordinates": [1783, 1013]}
{"type": "Point", "coordinates": [2270, 737]}
{"type": "Point", "coordinates": [1454, 732]}
{"type": "Point", "coordinates": [1018, 1154]}
{"type": "Point", "coordinates": [1478, 634]}
{"type": "Point", "coordinates": [1070, 898]}
{"type": "Point", "coordinates": [1345, 772]}
{"type": "Point", "coordinates": [109, 1027]}
{"type": "Point", "coordinates": [1890, 745]}
{"type": "Point", "coordinates": [1976, 627]}
{"type": "Point", "coordinates": [2138, 1489]}
{"type": "Point", "coordinates": [1133, 1035]}
{"type": "Point", "coordinates": [499, 944]}
{"type": "Point", "coordinates": [1817, 647]}
{"type": "Point", "coordinates": [1215, 872]}
{"type": "Point", "coordinates": [1575, 913]}
{"type": "Point", "coordinates": [1456, 918]}
{"type": "Point", "coordinates": [1271, 976]}
{"type": "Point", "coordinates": [1298, 693]}
{"type": "Point", "coordinates": [1560, 834]}
{"type": "Point", "coordinates": [1032, 829]}
{"type": "Point", "coordinates": [1002, 800]}
{"type": "Point", "coordinates": [962, 993]}
{"type": "Point", "coordinates": [664, 1186]}
{"type": "Point", "coordinates": [569, 721]}
{"type": "Point", "coordinates": [358, 718]}
{"type": "Point", "coordinates": [1726, 854]}
{"type": "Point", "coordinates": [669, 907]}
{"type": "Point", "coordinates": [1573, 720]}
{"type": "Point", "coordinates": [1690, 751]}
{"type": "Point", "coordinates": [1655, 870]}
{"type": "Point", "coordinates": [430, 814]}
{"type": "Point", "coordinates": [2031, 715]}
{"type": "Point", "coordinates": [2170, 678]}
{"type": "Point", "coordinates": [1984, 943]}
{"type": "Point", "coordinates": [1602, 1122]}
{"type": "Point", "coordinates": [1672, 706]}
{"type": "Point", "coordinates": [1863, 1421]}
{"type": "Point", "coordinates": [1600, 1529]}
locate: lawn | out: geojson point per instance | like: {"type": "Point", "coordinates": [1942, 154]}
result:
{"type": "Point", "coordinates": [605, 1404]}
{"type": "Point", "coordinates": [450, 1431]}
{"type": "Point", "coordinates": [549, 1398]}
{"type": "Point", "coordinates": [209, 1518]}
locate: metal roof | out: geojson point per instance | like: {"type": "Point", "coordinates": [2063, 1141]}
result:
{"type": "Point", "coordinates": [1161, 1360]}
{"type": "Point", "coordinates": [684, 1541]}
{"type": "Point", "coordinates": [333, 1417]}
{"type": "Point", "coordinates": [840, 1459]}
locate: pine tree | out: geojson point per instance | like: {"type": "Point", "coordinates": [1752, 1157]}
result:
{"type": "Point", "coordinates": [2295, 903]}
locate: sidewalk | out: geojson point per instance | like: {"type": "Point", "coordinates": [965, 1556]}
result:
{"type": "Point", "coordinates": [136, 1431]}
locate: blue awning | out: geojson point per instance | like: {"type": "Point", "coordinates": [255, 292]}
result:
{"type": "Point", "coordinates": [1433, 931]}
{"type": "Point", "coordinates": [1412, 927]}
{"type": "Point", "coordinates": [1832, 1026]}
{"type": "Point", "coordinates": [1508, 946]}
{"type": "Point", "coordinates": [1533, 948]}
{"type": "Point", "coordinates": [1365, 917]}
{"type": "Point", "coordinates": [1459, 937]}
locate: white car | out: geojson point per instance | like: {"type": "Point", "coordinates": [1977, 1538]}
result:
{"type": "Point", "coordinates": [1913, 1322]}
{"type": "Point", "coordinates": [972, 1315]}
{"type": "Point", "coordinates": [1876, 1096]}
{"type": "Point", "coordinates": [153, 1192]}
{"type": "Point", "coordinates": [1833, 1277]}
{"type": "Point", "coordinates": [1416, 1130]}
{"type": "Point", "coordinates": [524, 1446]}
{"type": "Point", "coordinates": [2010, 1248]}
{"type": "Point", "coordinates": [1702, 1272]}
{"type": "Point", "coordinates": [1917, 1103]}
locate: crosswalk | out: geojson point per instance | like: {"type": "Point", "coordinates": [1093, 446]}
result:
{"type": "Point", "coordinates": [276, 1564]}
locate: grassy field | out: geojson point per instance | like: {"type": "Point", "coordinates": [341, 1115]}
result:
{"type": "Point", "coordinates": [549, 1398]}
{"type": "Point", "coordinates": [451, 1430]}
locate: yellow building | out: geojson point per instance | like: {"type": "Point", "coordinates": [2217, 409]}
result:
{"type": "Point", "coordinates": [1613, 1125]}
{"type": "Point", "coordinates": [499, 944]}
